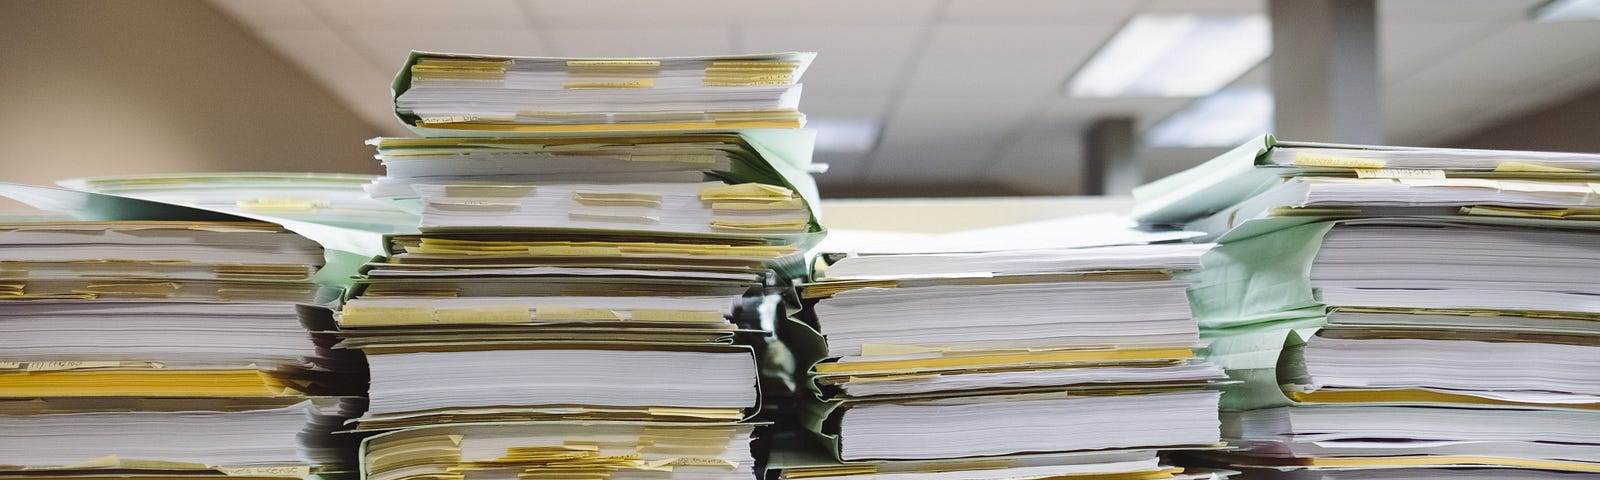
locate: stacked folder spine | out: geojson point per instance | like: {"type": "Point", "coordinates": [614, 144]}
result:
{"type": "Point", "coordinates": [1428, 313]}
{"type": "Point", "coordinates": [192, 349]}
{"type": "Point", "coordinates": [1014, 364]}
{"type": "Point", "coordinates": [597, 267]}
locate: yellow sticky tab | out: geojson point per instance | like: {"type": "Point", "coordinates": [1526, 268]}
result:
{"type": "Point", "coordinates": [266, 471]}
{"type": "Point", "coordinates": [355, 315]}
{"type": "Point", "coordinates": [1399, 173]}
{"type": "Point", "coordinates": [592, 85]}
{"type": "Point", "coordinates": [10, 365]}
{"type": "Point", "coordinates": [574, 251]}
{"type": "Point", "coordinates": [746, 191]}
{"type": "Point", "coordinates": [1516, 166]}
{"type": "Point", "coordinates": [783, 204]}
{"type": "Point", "coordinates": [677, 316]}
{"type": "Point", "coordinates": [280, 205]}
{"type": "Point", "coordinates": [779, 226]}
{"type": "Point", "coordinates": [1545, 187]}
{"type": "Point", "coordinates": [616, 199]}
{"type": "Point", "coordinates": [615, 63]}
{"type": "Point", "coordinates": [723, 413]}
{"type": "Point", "coordinates": [482, 315]}
{"type": "Point", "coordinates": [882, 349]}
{"type": "Point", "coordinates": [69, 365]}
{"type": "Point", "coordinates": [488, 191]}
{"type": "Point", "coordinates": [562, 313]}
{"type": "Point", "coordinates": [614, 218]}
{"type": "Point", "coordinates": [1315, 159]}
{"type": "Point", "coordinates": [131, 290]}
{"type": "Point", "coordinates": [696, 159]}
{"type": "Point", "coordinates": [1453, 182]}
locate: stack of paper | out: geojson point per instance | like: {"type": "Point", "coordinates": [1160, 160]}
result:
{"type": "Point", "coordinates": [579, 306]}
{"type": "Point", "coordinates": [169, 349]}
{"type": "Point", "coordinates": [961, 365]}
{"type": "Point", "coordinates": [1267, 184]}
{"type": "Point", "coordinates": [1416, 344]}
{"type": "Point", "coordinates": [333, 199]}
{"type": "Point", "coordinates": [494, 95]}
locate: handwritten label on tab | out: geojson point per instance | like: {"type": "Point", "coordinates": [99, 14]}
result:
{"type": "Point", "coordinates": [1315, 159]}
{"type": "Point", "coordinates": [73, 365]}
{"type": "Point", "coordinates": [1399, 173]}
{"type": "Point", "coordinates": [574, 314]}
{"type": "Point", "coordinates": [266, 471]}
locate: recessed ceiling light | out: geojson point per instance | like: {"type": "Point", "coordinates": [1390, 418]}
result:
{"type": "Point", "coordinates": [1174, 56]}
{"type": "Point", "coordinates": [1224, 119]}
{"type": "Point", "coordinates": [1567, 11]}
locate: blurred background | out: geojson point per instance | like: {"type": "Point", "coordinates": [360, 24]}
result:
{"type": "Point", "coordinates": [912, 98]}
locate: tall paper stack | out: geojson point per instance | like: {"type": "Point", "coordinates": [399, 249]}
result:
{"type": "Point", "coordinates": [1004, 365]}
{"type": "Point", "coordinates": [165, 349]}
{"type": "Point", "coordinates": [600, 251]}
{"type": "Point", "coordinates": [1399, 312]}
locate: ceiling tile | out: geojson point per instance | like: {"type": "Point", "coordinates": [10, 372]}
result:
{"type": "Point", "coordinates": [1032, 12]}
{"type": "Point", "coordinates": [642, 42]}
{"type": "Point", "coordinates": [421, 14]}
{"type": "Point", "coordinates": [1407, 48]}
{"type": "Point", "coordinates": [632, 13]}
{"type": "Point", "coordinates": [1002, 60]}
{"type": "Point", "coordinates": [859, 58]}
{"type": "Point", "coordinates": [834, 12]}
{"type": "Point", "coordinates": [1509, 61]}
{"type": "Point", "coordinates": [934, 139]}
{"type": "Point", "coordinates": [393, 46]}
{"type": "Point", "coordinates": [1453, 11]}
{"type": "Point", "coordinates": [1206, 6]}
{"type": "Point", "coordinates": [280, 15]}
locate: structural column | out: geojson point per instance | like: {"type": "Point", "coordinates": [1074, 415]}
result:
{"type": "Point", "coordinates": [1324, 67]}
{"type": "Point", "coordinates": [1110, 160]}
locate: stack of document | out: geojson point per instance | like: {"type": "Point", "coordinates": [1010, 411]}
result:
{"type": "Point", "coordinates": [478, 95]}
{"type": "Point", "coordinates": [1384, 338]}
{"type": "Point", "coordinates": [1267, 184]}
{"type": "Point", "coordinates": [335, 199]}
{"type": "Point", "coordinates": [169, 348]}
{"type": "Point", "coordinates": [967, 365]}
{"type": "Point", "coordinates": [580, 306]}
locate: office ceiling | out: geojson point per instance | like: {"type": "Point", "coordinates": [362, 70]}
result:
{"type": "Point", "coordinates": [967, 91]}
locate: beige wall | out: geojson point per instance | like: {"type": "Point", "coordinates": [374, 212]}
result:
{"type": "Point", "coordinates": [1571, 125]}
{"type": "Point", "coordinates": [116, 87]}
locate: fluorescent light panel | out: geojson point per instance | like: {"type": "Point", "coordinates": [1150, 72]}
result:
{"type": "Point", "coordinates": [1174, 56]}
{"type": "Point", "coordinates": [1224, 119]}
{"type": "Point", "coordinates": [1568, 11]}
{"type": "Point", "coordinates": [844, 135]}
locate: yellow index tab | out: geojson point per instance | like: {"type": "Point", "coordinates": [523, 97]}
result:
{"type": "Point", "coordinates": [616, 199]}
{"type": "Point", "coordinates": [482, 315]}
{"type": "Point", "coordinates": [83, 365]}
{"type": "Point", "coordinates": [783, 204]}
{"type": "Point", "coordinates": [1399, 173]}
{"type": "Point", "coordinates": [746, 191]}
{"type": "Point", "coordinates": [715, 413]}
{"type": "Point", "coordinates": [560, 313]}
{"type": "Point", "coordinates": [614, 218]}
{"type": "Point", "coordinates": [267, 471]}
{"type": "Point", "coordinates": [1315, 159]}
{"type": "Point", "coordinates": [614, 62]}
{"type": "Point", "coordinates": [1452, 182]}
{"type": "Point", "coordinates": [10, 365]}
{"type": "Point", "coordinates": [281, 205]}
{"type": "Point", "coordinates": [696, 159]}
{"type": "Point", "coordinates": [574, 251]}
{"type": "Point", "coordinates": [677, 316]}
{"type": "Point", "coordinates": [1544, 187]}
{"type": "Point", "coordinates": [355, 315]}
{"type": "Point", "coordinates": [777, 226]}
{"type": "Point", "coordinates": [1516, 166]}
{"type": "Point", "coordinates": [489, 191]}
